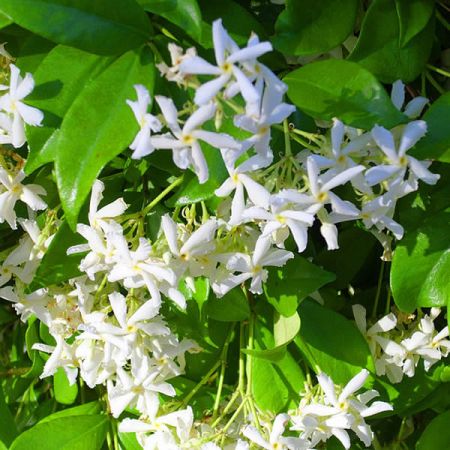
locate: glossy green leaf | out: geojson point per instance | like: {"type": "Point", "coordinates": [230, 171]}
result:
{"type": "Point", "coordinates": [185, 14]}
{"type": "Point", "coordinates": [65, 433]}
{"type": "Point", "coordinates": [400, 48]}
{"type": "Point", "coordinates": [232, 307]}
{"type": "Point", "coordinates": [238, 21]}
{"type": "Point", "coordinates": [93, 26]}
{"type": "Point", "coordinates": [332, 342]}
{"type": "Point", "coordinates": [65, 393]}
{"type": "Point", "coordinates": [128, 441]}
{"type": "Point", "coordinates": [8, 428]}
{"type": "Point", "coordinates": [344, 89]}
{"type": "Point", "coordinates": [436, 143]}
{"type": "Point", "coordinates": [282, 374]}
{"type": "Point", "coordinates": [272, 354]}
{"type": "Point", "coordinates": [285, 329]}
{"type": "Point", "coordinates": [288, 286]}
{"type": "Point", "coordinates": [98, 126]}
{"type": "Point", "coordinates": [191, 191]}
{"type": "Point", "coordinates": [421, 264]}
{"type": "Point", "coordinates": [91, 408]}
{"type": "Point", "coordinates": [413, 16]}
{"type": "Point", "coordinates": [436, 435]}
{"type": "Point", "coordinates": [308, 27]}
{"type": "Point", "coordinates": [56, 266]}
{"type": "Point", "coordinates": [59, 79]}
{"type": "Point", "coordinates": [4, 21]}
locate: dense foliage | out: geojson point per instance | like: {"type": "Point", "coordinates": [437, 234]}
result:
{"type": "Point", "coordinates": [224, 224]}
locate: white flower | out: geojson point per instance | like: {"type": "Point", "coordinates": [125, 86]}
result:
{"type": "Point", "coordinates": [227, 55]}
{"type": "Point", "coordinates": [138, 388]}
{"type": "Point", "coordinates": [62, 355]}
{"type": "Point", "coordinates": [270, 112]}
{"type": "Point", "coordinates": [276, 439]}
{"type": "Point", "coordinates": [11, 103]}
{"type": "Point", "coordinates": [176, 56]}
{"type": "Point", "coordinates": [142, 145]}
{"type": "Point", "coordinates": [185, 142]}
{"type": "Point", "coordinates": [413, 108]}
{"type": "Point", "coordinates": [15, 190]}
{"type": "Point", "coordinates": [397, 159]}
{"type": "Point", "coordinates": [252, 267]}
{"type": "Point", "coordinates": [240, 182]}
{"type": "Point", "coordinates": [383, 325]}
{"type": "Point", "coordinates": [281, 220]}
{"type": "Point", "coordinates": [97, 217]}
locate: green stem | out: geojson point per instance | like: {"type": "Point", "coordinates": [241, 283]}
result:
{"type": "Point", "coordinates": [227, 408]}
{"type": "Point", "coordinates": [442, 19]}
{"type": "Point", "coordinates": [434, 83]}
{"type": "Point", "coordinates": [199, 385]}
{"type": "Point", "coordinates": [378, 294]}
{"type": "Point", "coordinates": [439, 70]}
{"type": "Point", "coordinates": [287, 138]}
{"type": "Point", "coordinates": [223, 366]}
{"type": "Point", "coordinates": [155, 201]}
{"type": "Point", "coordinates": [241, 361]}
{"type": "Point", "coordinates": [14, 372]}
{"type": "Point", "coordinates": [233, 417]}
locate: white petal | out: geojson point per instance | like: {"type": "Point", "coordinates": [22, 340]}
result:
{"type": "Point", "coordinates": [217, 140]}
{"type": "Point", "coordinates": [198, 66]}
{"type": "Point", "coordinates": [385, 141]}
{"type": "Point", "coordinates": [251, 52]}
{"type": "Point", "coordinates": [415, 107]}
{"type": "Point", "coordinates": [411, 134]}
{"type": "Point", "coordinates": [398, 94]}
{"type": "Point", "coordinates": [200, 116]}
{"type": "Point", "coordinates": [30, 115]}
{"type": "Point", "coordinates": [342, 177]}
{"type": "Point", "coordinates": [199, 163]}
{"type": "Point", "coordinates": [207, 91]}
{"type": "Point", "coordinates": [169, 111]}
{"type": "Point", "coordinates": [420, 171]}
{"type": "Point", "coordinates": [119, 306]}
{"type": "Point", "coordinates": [354, 384]}
{"type": "Point", "coordinates": [377, 174]}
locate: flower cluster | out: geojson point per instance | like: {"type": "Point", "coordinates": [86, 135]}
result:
{"type": "Point", "coordinates": [107, 325]}
{"type": "Point", "coordinates": [398, 343]}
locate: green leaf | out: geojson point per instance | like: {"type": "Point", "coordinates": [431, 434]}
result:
{"type": "Point", "coordinates": [232, 307]}
{"type": "Point", "coordinates": [400, 48]}
{"type": "Point", "coordinates": [128, 441]}
{"type": "Point", "coordinates": [436, 143]}
{"type": "Point", "coordinates": [56, 266]}
{"type": "Point", "coordinates": [436, 435]}
{"type": "Point", "coordinates": [309, 27]}
{"type": "Point", "coordinates": [93, 26]}
{"type": "Point", "coordinates": [285, 328]}
{"type": "Point", "coordinates": [275, 368]}
{"type": "Point", "coordinates": [65, 433]}
{"type": "Point", "coordinates": [185, 14]}
{"type": "Point", "coordinates": [59, 79]}
{"type": "Point", "coordinates": [421, 264]}
{"type": "Point", "coordinates": [287, 287]}
{"type": "Point", "coordinates": [98, 126]}
{"type": "Point", "coordinates": [413, 16]}
{"type": "Point", "coordinates": [8, 428]}
{"type": "Point", "coordinates": [332, 342]}
{"type": "Point", "coordinates": [91, 408]}
{"type": "Point", "coordinates": [337, 88]}
{"type": "Point", "coordinates": [4, 21]}
{"type": "Point", "coordinates": [65, 393]}
{"type": "Point", "coordinates": [3, 446]}
{"type": "Point", "coordinates": [191, 191]}
{"type": "Point", "coordinates": [238, 21]}
{"type": "Point", "coordinates": [272, 354]}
